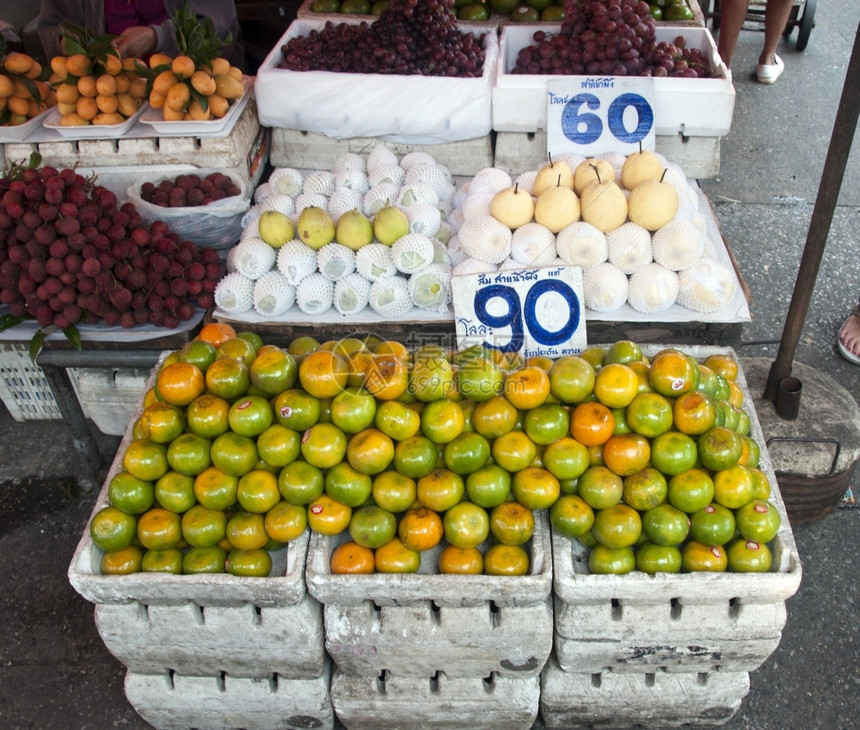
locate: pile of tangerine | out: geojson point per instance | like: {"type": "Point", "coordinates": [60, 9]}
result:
{"type": "Point", "coordinates": [241, 446]}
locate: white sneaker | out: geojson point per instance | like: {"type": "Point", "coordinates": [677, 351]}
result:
{"type": "Point", "coordinates": [768, 73]}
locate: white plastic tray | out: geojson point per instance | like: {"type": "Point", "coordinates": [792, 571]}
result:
{"type": "Point", "coordinates": [154, 118]}
{"type": "Point", "coordinates": [91, 131]}
{"type": "Point", "coordinates": [17, 132]}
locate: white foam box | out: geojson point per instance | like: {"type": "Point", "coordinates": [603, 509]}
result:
{"type": "Point", "coordinates": [689, 622]}
{"type": "Point", "coordinates": [417, 624]}
{"type": "Point", "coordinates": [173, 701]}
{"type": "Point", "coordinates": [515, 152]}
{"type": "Point", "coordinates": [435, 703]}
{"type": "Point", "coordinates": [120, 162]}
{"type": "Point", "coordinates": [109, 396]}
{"type": "Point", "coordinates": [690, 107]}
{"type": "Point", "coordinates": [315, 151]}
{"type": "Point", "coordinates": [24, 389]}
{"type": "Point", "coordinates": [409, 109]}
{"type": "Point", "coordinates": [305, 12]}
{"type": "Point", "coordinates": [616, 700]}
{"type": "Point", "coordinates": [208, 623]}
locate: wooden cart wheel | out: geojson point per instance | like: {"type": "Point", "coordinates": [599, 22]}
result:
{"type": "Point", "coordinates": [806, 24]}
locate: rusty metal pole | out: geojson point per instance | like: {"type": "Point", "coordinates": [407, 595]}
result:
{"type": "Point", "coordinates": [844, 128]}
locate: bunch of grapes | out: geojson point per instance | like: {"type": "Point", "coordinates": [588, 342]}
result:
{"type": "Point", "coordinates": [609, 38]}
{"type": "Point", "coordinates": [69, 254]}
{"type": "Point", "coordinates": [411, 37]}
{"type": "Point", "coordinates": [189, 190]}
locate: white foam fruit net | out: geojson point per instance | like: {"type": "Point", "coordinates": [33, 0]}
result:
{"type": "Point", "coordinates": [352, 179]}
{"type": "Point", "coordinates": [319, 181]}
{"type": "Point", "coordinates": [310, 200]}
{"type": "Point", "coordinates": [604, 287]}
{"type": "Point", "coordinates": [273, 294]}
{"type": "Point", "coordinates": [678, 244]}
{"type": "Point", "coordinates": [490, 180]}
{"type": "Point", "coordinates": [424, 219]}
{"type": "Point", "coordinates": [286, 181]}
{"type": "Point", "coordinates": [374, 261]}
{"type": "Point", "coordinates": [296, 261]}
{"type": "Point", "coordinates": [412, 252]}
{"type": "Point", "coordinates": [476, 204]}
{"type": "Point", "coordinates": [433, 175]}
{"type": "Point", "coordinates": [351, 294]}
{"type": "Point", "coordinates": [416, 159]}
{"type": "Point", "coordinates": [378, 196]}
{"type": "Point", "coordinates": [348, 161]}
{"type": "Point", "coordinates": [430, 288]}
{"type": "Point", "coordinates": [250, 224]}
{"type": "Point", "coordinates": [629, 247]}
{"type": "Point", "coordinates": [456, 218]}
{"type": "Point", "coordinates": [469, 266]}
{"type": "Point", "coordinates": [706, 286]}
{"type": "Point", "coordinates": [389, 297]}
{"type": "Point", "coordinates": [230, 260]}
{"type": "Point", "coordinates": [526, 181]}
{"type": "Point", "coordinates": [234, 294]}
{"type": "Point", "coordinates": [386, 173]}
{"type": "Point", "coordinates": [533, 245]}
{"type": "Point", "coordinates": [486, 239]}
{"type": "Point", "coordinates": [342, 201]}
{"type": "Point", "coordinates": [314, 294]}
{"type": "Point", "coordinates": [581, 244]}
{"type": "Point", "coordinates": [455, 250]}
{"type": "Point", "coordinates": [334, 261]}
{"type": "Point", "coordinates": [263, 191]}
{"type": "Point", "coordinates": [510, 264]}
{"type": "Point", "coordinates": [279, 202]}
{"type": "Point", "coordinates": [614, 158]}
{"type": "Point", "coordinates": [254, 257]}
{"type": "Point", "coordinates": [380, 155]}
{"type": "Point", "coordinates": [572, 159]}
{"type": "Point", "coordinates": [445, 232]}
{"type": "Point", "coordinates": [417, 192]}
{"type": "Point", "coordinates": [440, 253]}
{"type": "Point", "coordinates": [653, 288]}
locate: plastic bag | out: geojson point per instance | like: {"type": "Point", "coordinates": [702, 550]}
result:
{"type": "Point", "coordinates": [217, 225]}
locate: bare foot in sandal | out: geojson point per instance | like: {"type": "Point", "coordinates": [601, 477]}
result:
{"type": "Point", "coordinates": [849, 338]}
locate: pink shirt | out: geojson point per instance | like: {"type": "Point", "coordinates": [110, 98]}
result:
{"type": "Point", "coordinates": [122, 14]}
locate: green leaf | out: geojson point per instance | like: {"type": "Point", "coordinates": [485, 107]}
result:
{"type": "Point", "coordinates": [5, 116]}
{"type": "Point", "coordinates": [202, 99]}
{"type": "Point", "coordinates": [35, 160]}
{"type": "Point", "coordinates": [38, 341]}
{"type": "Point", "coordinates": [8, 321]}
{"type": "Point", "coordinates": [73, 335]}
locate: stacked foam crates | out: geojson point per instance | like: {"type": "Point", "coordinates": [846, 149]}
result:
{"type": "Point", "coordinates": [424, 650]}
{"type": "Point", "coordinates": [212, 650]}
{"type": "Point", "coordinates": [663, 649]}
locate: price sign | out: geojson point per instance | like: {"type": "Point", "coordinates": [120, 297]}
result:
{"type": "Point", "coordinates": [589, 115]}
{"type": "Point", "coordinates": [532, 311]}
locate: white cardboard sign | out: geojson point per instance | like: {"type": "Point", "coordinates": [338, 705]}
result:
{"type": "Point", "coordinates": [595, 114]}
{"type": "Point", "coordinates": [530, 311]}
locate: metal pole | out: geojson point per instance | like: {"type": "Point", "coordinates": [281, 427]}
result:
{"type": "Point", "coordinates": [822, 216]}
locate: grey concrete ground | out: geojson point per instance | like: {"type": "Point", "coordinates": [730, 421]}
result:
{"type": "Point", "coordinates": [54, 669]}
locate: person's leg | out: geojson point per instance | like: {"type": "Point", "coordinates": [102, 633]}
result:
{"type": "Point", "coordinates": [775, 19]}
{"type": "Point", "coordinates": [732, 15]}
{"type": "Point", "coordinates": [849, 336]}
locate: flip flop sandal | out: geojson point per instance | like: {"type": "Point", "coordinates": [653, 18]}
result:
{"type": "Point", "coordinates": [844, 351]}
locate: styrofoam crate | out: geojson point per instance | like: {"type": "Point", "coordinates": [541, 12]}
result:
{"type": "Point", "coordinates": [245, 640]}
{"type": "Point", "coordinates": [315, 151]}
{"type": "Point", "coordinates": [439, 702]}
{"type": "Point", "coordinates": [172, 701]}
{"type": "Point", "coordinates": [24, 389]}
{"type": "Point", "coordinates": [679, 622]}
{"type": "Point", "coordinates": [691, 107]}
{"type": "Point", "coordinates": [515, 152]}
{"type": "Point", "coordinates": [109, 396]}
{"type": "Point", "coordinates": [617, 700]}
{"type": "Point", "coordinates": [119, 162]}
{"type": "Point", "coordinates": [415, 625]}
{"type": "Point", "coordinates": [306, 13]}
{"type": "Point", "coordinates": [345, 105]}
{"type": "Point", "coordinates": [429, 586]}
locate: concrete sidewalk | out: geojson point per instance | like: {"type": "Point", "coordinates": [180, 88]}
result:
{"type": "Point", "coordinates": [54, 669]}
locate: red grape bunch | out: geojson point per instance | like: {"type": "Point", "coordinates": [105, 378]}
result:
{"type": "Point", "coordinates": [69, 254]}
{"type": "Point", "coordinates": [609, 38]}
{"type": "Point", "coordinates": [410, 37]}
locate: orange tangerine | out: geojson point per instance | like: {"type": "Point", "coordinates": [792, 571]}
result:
{"type": "Point", "coordinates": [513, 451]}
{"type": "Point", "coordinates": [370, 451]}
{"type": "Point", "coordinates": [535, 487]}
{"type": "Point", "coordinates": [626, 453]}
{"type": "Point", "coordinates": [227, 378]}
{"type": "Point", "coordinates": [387, 376]}
{"type": "Point", "coordinates": [512, 523]}
{"type": "Point", "coordinates": [615, 385]}
{"type": "Point", "coordinates": [323, 373]}
{"type": "Point", "coordinates": [440, 490]}
{"type": "Point", "coordinates": [396, 557]}
{"type": "Point", "coordinates": [247, 531]}
{"type": "Point", "coordinates": [420, 528]}
{"type": "Point", "coordinates": [461, 561]}
{"type": "Point", "coordinates": [592, 423]}
{"type": "Point", "coordinates": [349, 558]}
{"type": "Point", "coordinates": [159, 529]}
{"type": "Point", "coordinates": [672, 373]}
{"type": "Point", "coordinates": [207, 415]}
{"type": "Point", "coordinates": [527, 387]}
{"type": "Point", "coordinates": [722, 364]}
{"type": "Point", "coordinates": [216, 333]}
{"type": "Point", "coordinates": [501, 559]}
